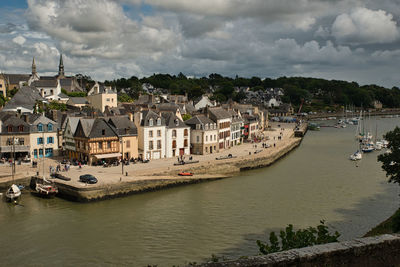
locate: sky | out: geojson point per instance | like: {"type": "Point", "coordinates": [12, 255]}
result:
{"type": "Point", "coordinates": [353, 40]}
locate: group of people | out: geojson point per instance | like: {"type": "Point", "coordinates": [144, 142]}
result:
{"type": "Point", "coordinates": [61, 167]}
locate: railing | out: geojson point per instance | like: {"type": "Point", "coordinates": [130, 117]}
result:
{"type": "Point", "coordinates": [18, 148]}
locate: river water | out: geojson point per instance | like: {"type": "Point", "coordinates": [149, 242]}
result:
{"type": "Point", "coordinates": [225, 217]}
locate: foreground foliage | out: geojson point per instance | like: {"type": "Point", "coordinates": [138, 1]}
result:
{"type": "Point", "coordinates": [391, 161]}
{"type": "Point", "coordinates": [290, 239]}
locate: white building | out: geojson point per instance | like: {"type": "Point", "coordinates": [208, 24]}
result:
{"type": "Point", "coordinates": [203, 102]}
{"type": "Point", "coordinates": [177, 137]}
{"type": "Point", "coordinates": [237, 127]}
{"type": "Point", "coordinates": [43, 137]}
{"type": "Point", "coordinates": [151, 134]}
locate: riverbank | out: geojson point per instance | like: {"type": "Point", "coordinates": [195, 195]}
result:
{"type": "Point", "coordinates": [158, 174]}
{"type": "Point", "coordinates": [385, 227]}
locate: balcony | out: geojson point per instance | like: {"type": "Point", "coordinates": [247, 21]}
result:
{"type": "Point", "coordinates": [18, 148]}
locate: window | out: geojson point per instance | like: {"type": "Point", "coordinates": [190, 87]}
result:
{"type": "Point", "coordinates": [128, 144]}
{"type": "Point", "coordinates": [151, 145]}
{"type": "Point", "coordinates": [40, 152]}
{"type": "Point", "coordinates": [176, 122]}
{"type": "Point", "coordinates": [50, 127]}
{"type": "Point", "coordinates": [10, 128]}
{"type": "Point", "coordinates": [150, 133]}
{"type": "Point", "coordinates": [158, 121]}
{"type": "Point", "coordinates": [21, 141]}
{"type": "Point", "coordinates": [210, 137]}
{"type": "Point", "coordinates": [185, 143]}
{"type": "Point", "coordinates": [40, 141]}
{"type": "Point", "coordinates": [21, 128]}
{"type": "Point", "coordinates": [185, 132]}
{"type": "Point", "coordinates": [206, 127]}
{"type": "Point", "coordinates": [100, 145]}
{"type": "Point", "coordinates": [103, 132]}
{"type": "Point", "coordinates": [108, 100]}
{"type": "Point", "coordinates": [151, 122]}
{"type": "Point", "coordinates": [35, 152]}
{"type": "Point", "coordinates": [109, 144]}
{"type": "Point", "coordinates": [206, 149]}
{"type": "Point", "coordinates": [173, 133]}
{"type": "Point", "coordinates": [158, 133]}
{"type": "Point", "coordinates": [198, 139]}
{"type": "Point", "coordinates": [50, 140]}
{"type": "Point", "coordinates": [40, 127]}
{"type": "Point", "coordinates": [158, 144]}
{"type": "Point", "coordinates": [206, 138]}
{"type": "Point", "coordinates": [174, 144]}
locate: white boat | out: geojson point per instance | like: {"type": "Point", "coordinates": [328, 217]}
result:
{"type": "Point", "coordinates": [13, 193]}
{"type": "Point", "coordinates": [356, 156]}
{"type": "Point", "coordinates": [46, 190]}
{"type": "Point", "coordinates": [378, 145]}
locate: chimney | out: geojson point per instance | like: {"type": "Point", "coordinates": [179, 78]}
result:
{"type": "Point", "coordinates": [130, 116]}
{"type": "Point", "coordinates": [42, 93]}
{"type": "Point", "coordinates": [54, 115]}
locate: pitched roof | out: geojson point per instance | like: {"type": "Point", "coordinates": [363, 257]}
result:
{"type": "Point", "coordinates": [73, 123]}
{"type": "Point", "coordinates": [172, 121]}
{"type": "Point", "coordinates": [17, 78]}
{"type": "Point", "coordinates": [219, 113]}
{"type": "Point", "coordinates": [147, 115]}
{"type": "Point", "coordinates": [78, 100]}
{"type": "Point", "coordinates": [26, 97]}
{"type": "Point", "coordinates": [15, 122]}
{"type": "Point", "coordinates": [45, 83]}
{"type": "Point", "coordinates": [199, 119]}
{"type": "Point", "coordinates": [87, 125]}
{"type": "Point", "coordinates": [100, 125]}
{"type": "Point", "coordinates": [123, 125]}
{"type": "Point", "coordinates": [167, 107]}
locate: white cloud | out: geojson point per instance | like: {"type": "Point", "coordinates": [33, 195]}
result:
{"type": "Point", "coordinates": [19, 40]}
{"type": "Point", "coordinates": [365, 26]}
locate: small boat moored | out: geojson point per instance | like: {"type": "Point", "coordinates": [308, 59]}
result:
{"type": "Point", "coordinates": [13, 193]}
{"type": "Point", "coordinates": [185, 174]}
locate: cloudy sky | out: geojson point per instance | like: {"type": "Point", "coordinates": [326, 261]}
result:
{"type": "Point", "coordinates": [355, 40]}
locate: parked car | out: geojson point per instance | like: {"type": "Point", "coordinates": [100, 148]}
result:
{"type": "Point", "coordinates": [88, 178]}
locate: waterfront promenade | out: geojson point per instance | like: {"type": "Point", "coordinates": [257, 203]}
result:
{"type": "Point", "coordinates": [207, 168]}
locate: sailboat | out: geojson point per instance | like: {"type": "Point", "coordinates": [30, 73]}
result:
{"type": "Point", "coordinates": [45, 188]}
{"type": "Point", "coordinates": [13, 193]}
{"type": "Point", "coordinates": [356, 156]}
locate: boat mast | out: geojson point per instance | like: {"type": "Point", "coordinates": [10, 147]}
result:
{"type": "Point", "coordinates": [43, 151]}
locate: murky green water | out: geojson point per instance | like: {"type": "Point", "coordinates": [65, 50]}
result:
{"type": "Point", "coordinates": [175, 226]}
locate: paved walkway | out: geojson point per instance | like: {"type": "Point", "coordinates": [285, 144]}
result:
{"type": "Point", "coordinates": [140, 171]}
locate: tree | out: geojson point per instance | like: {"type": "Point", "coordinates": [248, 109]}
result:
{"type": "Point", "coordinates": [391, 161]}
{"type": "Point", "coordinates": [124, 98]}
{"type": "Point", "coordinates": [299, 239]}
{"type": "Point", "coordinates": [185, 117]}
{"type": "Point", "coordinates": [57, 106]}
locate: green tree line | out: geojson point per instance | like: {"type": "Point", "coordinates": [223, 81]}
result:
{"type": "Point", "coordinates": [297, 89]}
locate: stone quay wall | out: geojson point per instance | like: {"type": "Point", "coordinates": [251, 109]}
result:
{"type": "Point", "coordinates": [383, 250]}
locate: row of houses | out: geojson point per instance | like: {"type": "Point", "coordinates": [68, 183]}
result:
{"type": "Point", "coordinates": [144, 134]}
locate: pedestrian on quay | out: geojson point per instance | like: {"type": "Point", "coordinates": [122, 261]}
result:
{"type": "Point", "coordinates": [80, 165]}
{"type": "Point", "coordinates": [274, 144]}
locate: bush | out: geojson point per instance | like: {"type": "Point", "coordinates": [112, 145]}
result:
{"type": "Point", "coordinates": [299, 239]}
{"type": "Point", "coordinates": [396, 222]}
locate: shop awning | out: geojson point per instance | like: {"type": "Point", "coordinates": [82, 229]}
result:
{"type": "Point", "coordinates": [106, 156]}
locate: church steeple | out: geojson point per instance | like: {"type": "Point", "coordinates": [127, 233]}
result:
{"type": "Point", "coordinates": [61, 68]}
{"type": "Point", "coordinates": [33, 67]}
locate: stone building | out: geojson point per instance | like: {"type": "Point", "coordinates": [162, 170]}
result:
{"type": "Point", "coordinates": [203, 135]}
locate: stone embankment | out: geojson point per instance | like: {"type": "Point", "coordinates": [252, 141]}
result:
{"type": "Point", "coordinates": [375, 251]}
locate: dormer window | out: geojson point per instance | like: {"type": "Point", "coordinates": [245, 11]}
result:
{"type": "Point", "coordinates": [50, 127]}
{"type": "Point", "coordinates": [176, 122]}
{"type": "Point", "coordinates": [103, 132]}
{"type": "Point", "coordinates": [158, 121]}
{"type": "Point", "coordinates": [21, 128]}
{"type": "Point", "coordinates": [40, 127]}
{"type": "Point", "coordinates": [10, 128]}
{"type": "Point", "coordinates": [206, 126]}
{"type": "Point", "coordinates": [151, 122]}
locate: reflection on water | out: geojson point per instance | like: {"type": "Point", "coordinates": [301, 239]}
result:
{"type": "Point", "coordinates": [225, 217]}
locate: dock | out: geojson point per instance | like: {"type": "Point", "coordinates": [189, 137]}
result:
{"type": "Point", "coordinates": [301, 130]}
